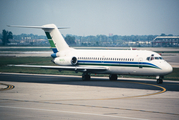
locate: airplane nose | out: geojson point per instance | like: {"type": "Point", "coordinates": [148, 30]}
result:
{"type": "Point", "coordinates": [168, 68]}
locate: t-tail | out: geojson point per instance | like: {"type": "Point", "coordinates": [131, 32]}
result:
{"type": "Point", "coordinates": [54, 36]}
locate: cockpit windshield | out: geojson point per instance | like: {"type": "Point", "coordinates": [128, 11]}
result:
{"type": "Point", "coordinates": [160, 58]}
{"type": "Point", "coordinates": [154, 58]}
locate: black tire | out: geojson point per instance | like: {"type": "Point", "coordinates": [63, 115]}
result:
{"type": "Point", "coordinates": [113, 77]}
{"type": "Point", "coordinates": [85, 77]}
{"type": "Point", "coordinates": [159, 81]}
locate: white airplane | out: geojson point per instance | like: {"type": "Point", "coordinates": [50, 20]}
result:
{"type": "Point", "coordinates": [112, 62]}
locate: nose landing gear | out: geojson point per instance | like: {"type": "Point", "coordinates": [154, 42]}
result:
{"type": "Point", "coordinates": [159, 79]}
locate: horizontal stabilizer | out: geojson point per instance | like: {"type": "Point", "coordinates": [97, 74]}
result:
{"type": "Point", "coordinates": [38, 27]}
{"type": "Point", "coordinates": [21, 26]}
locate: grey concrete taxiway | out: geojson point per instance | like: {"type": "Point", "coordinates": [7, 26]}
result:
{"type": "Point", "coordinates": [44, 97]}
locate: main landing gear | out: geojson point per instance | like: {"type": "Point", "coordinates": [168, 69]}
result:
{"type": "Point", "coordinates": [86, 76]}
{"type": "Point", "coordinates": [159, 79]}
{"type": "Point", "coordinates": [113, 77]}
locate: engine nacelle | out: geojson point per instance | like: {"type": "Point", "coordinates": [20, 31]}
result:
{"type": "Point", "coordinates": [66, 61]}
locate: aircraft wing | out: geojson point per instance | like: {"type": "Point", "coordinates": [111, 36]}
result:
{"type": "Point", "coordinates": [73, 68]}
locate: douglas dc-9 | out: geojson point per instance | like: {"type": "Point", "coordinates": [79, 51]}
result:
{"type": "Point", "coordinates": [112, 62]}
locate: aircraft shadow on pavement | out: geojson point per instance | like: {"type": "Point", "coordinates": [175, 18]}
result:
{"type": "Point", "coordinates": [97, 82]}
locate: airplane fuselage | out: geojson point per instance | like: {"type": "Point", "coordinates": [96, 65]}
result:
{"type": "Point", "coordinates": [121, 62]}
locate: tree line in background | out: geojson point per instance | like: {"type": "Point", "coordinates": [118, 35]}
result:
{"type": "Point", "coordinates": [73, 40]}
{"type": "Point", "coordinates": [5, 36]}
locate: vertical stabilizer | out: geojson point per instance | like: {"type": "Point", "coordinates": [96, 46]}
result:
{"type": "Point", "coordinates": [55, 38]}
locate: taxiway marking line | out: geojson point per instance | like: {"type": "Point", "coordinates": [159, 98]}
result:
{"type": "Point", "coordinates": [71, 112]}
{"type": "Point", "coordinates": [163, 90]}
{"type": "Point", "coordinates": [7, 88]}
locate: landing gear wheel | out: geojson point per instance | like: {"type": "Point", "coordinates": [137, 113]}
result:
{"type": "Point", "coordinates": [86, 77]}
{"type": "Point", "coordinates": [159, 81]}
{"type": "Point", "coordinates": [113, 77]}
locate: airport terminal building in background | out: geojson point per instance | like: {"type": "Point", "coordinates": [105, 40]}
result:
{"type": "Point", "coordinates": [166, 41]}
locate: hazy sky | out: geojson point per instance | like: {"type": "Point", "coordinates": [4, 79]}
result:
{"type": "Point", "coordinates": [93, 17]}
